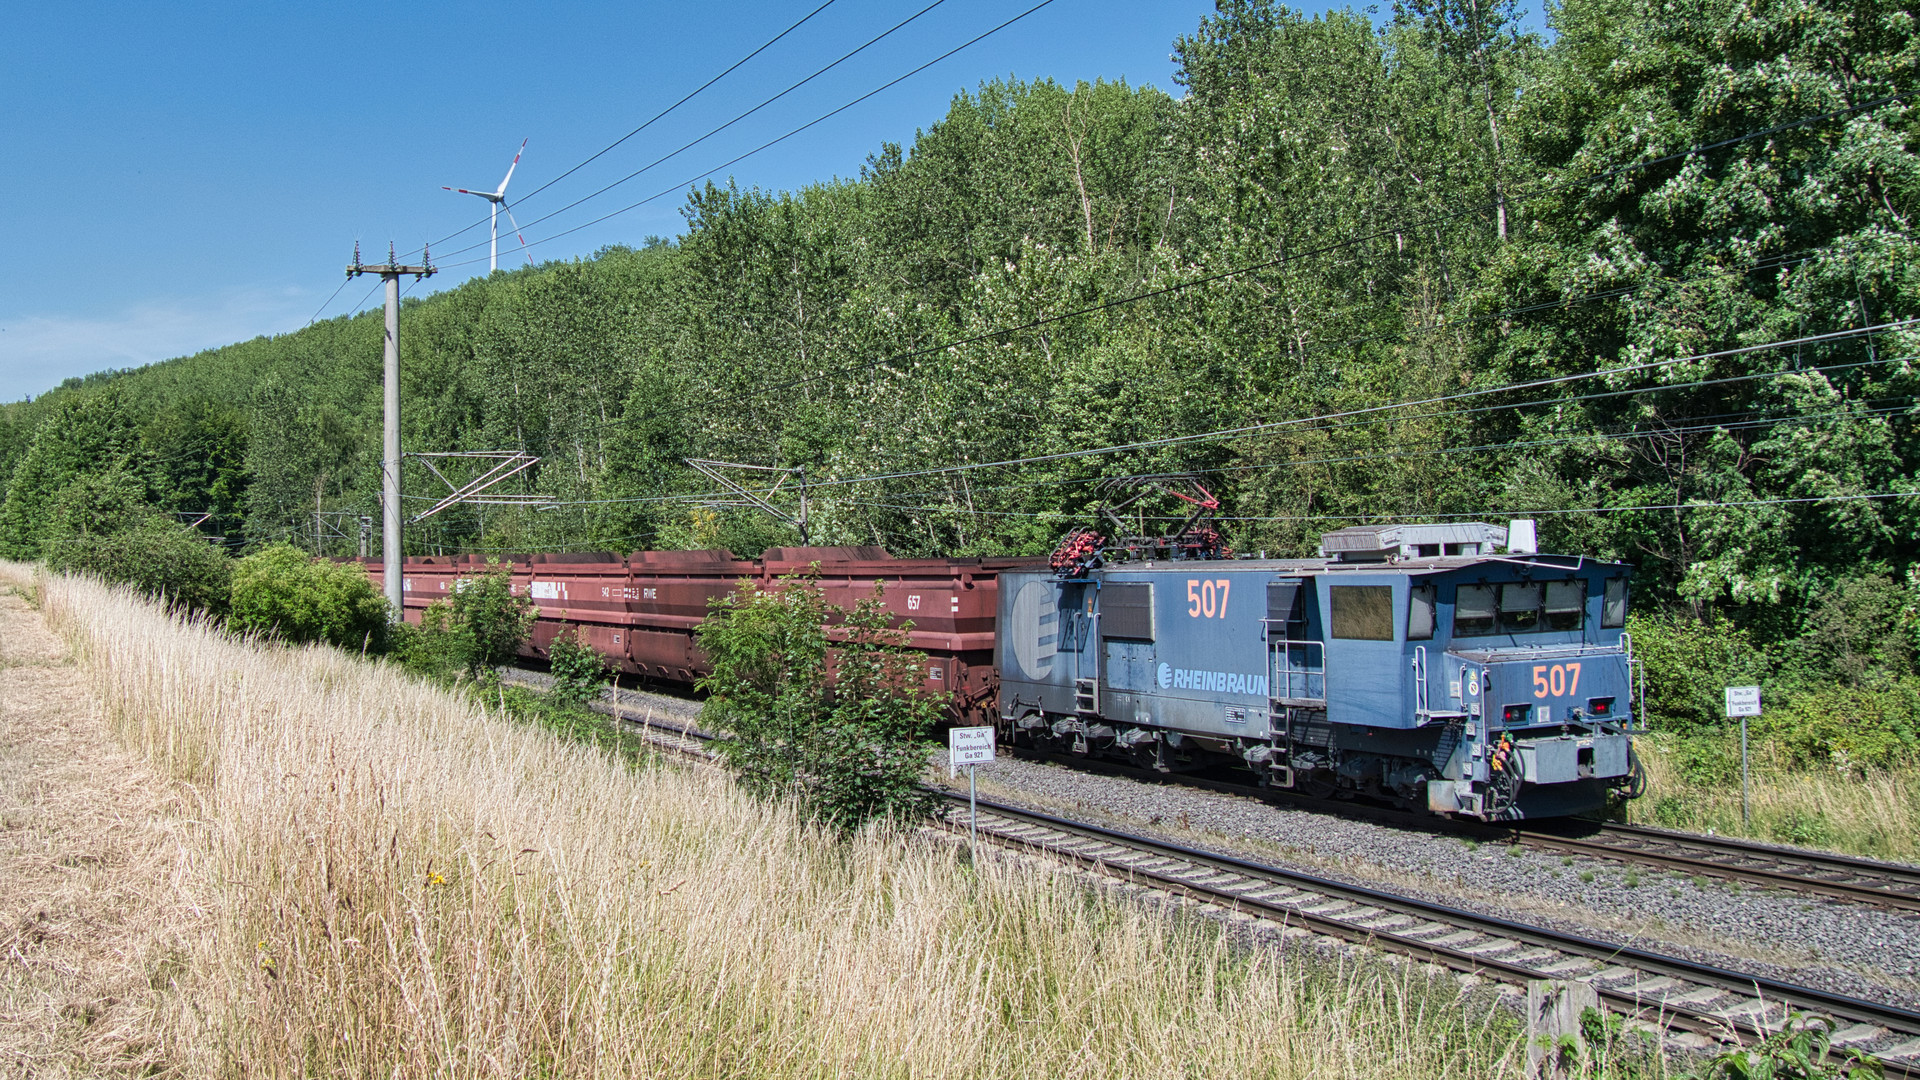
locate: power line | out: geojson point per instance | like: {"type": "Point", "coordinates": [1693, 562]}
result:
{"type": "Point", "coordinates": [329, 300]}
{"type": "Point", "coordinates": [1368, 411]}
{"type": "Point", "coordinates": [790, 134]}
{"type": "Point", "coordinates": [1696, 426]}
{"type": "Point", "coordinates": [1395, 451]}
{"type": "Point", "coordinates": [769, 43]}
{"type": "Point", "coordinates": [714, 131]}
{"type": "Point", "coordinates": [1247, 429]}
{"type": "Point", "coordinates": [1772, 262]}
{"type": "Point", "coordinates": [1696, 505]}
{"type": "Point", "coordinates": [1472, 515]}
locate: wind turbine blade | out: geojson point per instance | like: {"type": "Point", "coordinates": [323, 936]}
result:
{"type": "Point", "coordinates": [464, 191]}
{"type": "Point", "coordinates": [502, 189]}
{"type": "Point", "coordinates": [516, 231]}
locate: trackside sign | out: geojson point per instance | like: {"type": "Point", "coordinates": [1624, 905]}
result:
{"type": "Point", "coordinates": [969, 746]}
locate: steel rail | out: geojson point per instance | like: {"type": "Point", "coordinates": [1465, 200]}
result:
{"type": "Point", "coordinates": [1841, 877]}
{"type": "Point", "coordinates": [1678, 993]}
{"type": "Point", "coordinates": [1865, 881]}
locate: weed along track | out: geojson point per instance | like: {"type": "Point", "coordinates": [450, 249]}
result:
{"type": "Point", "coordinates": [1652, 990]}
{"type": "Point", "coordinates": [1660, 991]}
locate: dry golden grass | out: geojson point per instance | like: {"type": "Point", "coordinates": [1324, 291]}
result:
{"type": "Point", "coordinates": [403, 886]}
{"type": "Point", "coordinates": [96, 909]}
{"type": "Point", "coordinates": [1875, 814]}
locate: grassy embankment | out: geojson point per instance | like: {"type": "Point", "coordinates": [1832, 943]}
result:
{"type": "Point", "coordinates": [1874, 812]}
{"type": "Point", "coordinates": [408, 886]}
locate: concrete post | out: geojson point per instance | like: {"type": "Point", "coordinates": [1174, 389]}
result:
{"type": "Point", "coordinates": [1554, 1036]}
{"type": "Point", "coordinates": [390, 543]}
{"type": "Point", "coordinates": [390, 510]}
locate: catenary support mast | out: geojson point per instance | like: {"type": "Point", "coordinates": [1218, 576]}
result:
{"type": "Point", "coordinates": [390, 513]}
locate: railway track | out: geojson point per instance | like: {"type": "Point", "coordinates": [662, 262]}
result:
{"type": "Point", "coordinates": [1662, 991]}
{"type": "Point", "coordinates": [1839, 877]}
{"type": "Point", "coordinates": [1821, 873]}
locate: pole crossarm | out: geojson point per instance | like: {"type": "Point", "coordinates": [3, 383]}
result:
{"type": "Point", "coordinates": [506, 463]}
{"type": "Point", "coordinates": [712, 470]}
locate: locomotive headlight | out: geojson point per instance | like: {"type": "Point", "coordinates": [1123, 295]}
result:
{"type": "Point", "coordinates": [1600, 706]}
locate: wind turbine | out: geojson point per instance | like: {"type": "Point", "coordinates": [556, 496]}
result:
{"type": "Point", "coordinates": [496, 202]}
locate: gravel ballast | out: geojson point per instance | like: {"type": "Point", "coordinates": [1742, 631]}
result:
{"type": "Point", "coordinates": [1833, 945]}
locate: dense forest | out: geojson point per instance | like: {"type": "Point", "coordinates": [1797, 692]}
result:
{"type": "Point", "coordinates": [1567, 261]}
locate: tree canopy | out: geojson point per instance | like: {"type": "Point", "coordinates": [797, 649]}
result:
{"type": "Point", "coordinates": [1568, 260]}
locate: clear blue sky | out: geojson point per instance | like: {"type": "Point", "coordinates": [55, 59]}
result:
{"type": "Point", "coordinates": [185, 175]}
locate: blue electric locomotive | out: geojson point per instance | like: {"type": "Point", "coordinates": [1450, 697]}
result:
{"type": "Point", "coordinates": [1415, 664]}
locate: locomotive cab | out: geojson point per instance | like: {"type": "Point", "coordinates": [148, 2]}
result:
{"type": "Point", "coordinates": [1416, 665]}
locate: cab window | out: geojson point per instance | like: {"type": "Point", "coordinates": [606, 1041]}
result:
{"type": "Point", "coordinates": [1473, 610]}
{"type": "Point", "coordinates": [1566, 604]}
{"type": "Point", "coordinates": [1363, 612]}
{"type": "Point", "coordinates": [1420, 601]}
{"type": "Point", "coordinates": [1520, 607]}
{"type": "Point", "coordinates": [1613, 608]}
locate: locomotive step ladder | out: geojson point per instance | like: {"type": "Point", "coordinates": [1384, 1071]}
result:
{"type": "Point", "coordinates": [1299, 682]}
{"type": "Point", "coordinates": [1086, 702]}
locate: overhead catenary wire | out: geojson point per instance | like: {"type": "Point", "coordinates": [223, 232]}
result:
{"type": "Point", "coordinates": [1274, 425]}
{"type": "Point", "coordinates": [1468, 515]}
{"type": "Point", "coordinates": [1372, 410]}
{"type": "Point", "coordinates": [1772, 262]}
{"type": "Point", "coordinates": [1396, 451]}
{"type": "Point", "coordinates": [1699, 424]}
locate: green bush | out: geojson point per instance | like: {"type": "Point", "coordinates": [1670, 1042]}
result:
{"type": "Point", "coordinates": [481, 626]}
{"type": "Point", "coordinates": [97, 505]}
{"type": "Point", "coordinates": [1847, 726]}
{"type": "Point", "coordinates": [849, 749]}
{"type": "Point", "coordinates": [578, 669]}
{"type": "Point", "coordinates": [159, 559]}
{"type": "Point", "coordinates": [1689, 665]}
{"type": "Point", "coordinates": [287, 593]}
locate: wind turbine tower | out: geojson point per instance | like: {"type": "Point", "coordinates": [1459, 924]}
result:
{"type": "Point", "coordinates": [496, 202]}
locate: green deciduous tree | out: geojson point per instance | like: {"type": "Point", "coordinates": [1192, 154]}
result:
{"type": "Point", "coordinates": [841, 729]}
{"type": "Point", "coordinates": [157, 558]}
{"type": "Point", "coordinates": [482, 625]}
{"type": "Point", "coordinates": [81, 436]}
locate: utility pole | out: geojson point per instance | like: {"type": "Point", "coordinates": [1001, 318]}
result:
{"type": "Point", "coordinates": [390, 456]}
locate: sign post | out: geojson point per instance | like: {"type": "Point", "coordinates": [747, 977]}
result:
{"type": "Point", "coordinates": [1743, 701]}
{"type": "Point", "coordinates": [969, 746]}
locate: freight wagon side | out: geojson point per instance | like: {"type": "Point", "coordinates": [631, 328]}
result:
{"type": "Point", "coordinates": [642, 611]}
